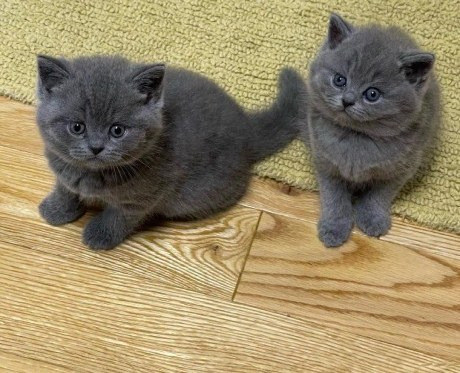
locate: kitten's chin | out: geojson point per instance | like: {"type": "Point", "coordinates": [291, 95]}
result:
{"type": "Point", "coordinates": [101, 164]}
{"type": "Point", "coordinates": [369, 128]}
{"type": "Point", "coordinates": [92, 163]}
{"type": "Point", "coordinates": [346, 119]}
{"type": "Point", "coordinates": [340, 117]}
{"type": "Point", "coordinates": [95, 164]}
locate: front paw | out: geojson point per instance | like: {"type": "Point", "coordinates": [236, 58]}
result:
{"type": "Point", "coordinates": [334, 232]}
{"type": "Point", "coordinates": [58, 210]}
{"type": "Point", "coordinates": [101, 233]}
{"type": "Point", "coordinates": [373, 220]}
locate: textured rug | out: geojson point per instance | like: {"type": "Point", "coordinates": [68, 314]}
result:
{"type": "Point", "coordinates": [242, 45]}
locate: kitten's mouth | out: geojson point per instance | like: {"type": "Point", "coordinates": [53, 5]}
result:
{"type": "Point", "coordinates": [94, 159]}
{"type": "Point", "coordinates": [345, 118]}
{"type": "Point", "coordinates": [94, 163]}
{"type": "Point", "coordinates": [97, 163]}
{"type": "Point", "coordinates": [351, 114]}
{"type": "Point", "coordinates": [347, 115]}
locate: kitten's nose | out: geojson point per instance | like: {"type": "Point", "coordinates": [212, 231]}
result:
{"type": "Point", "coordinates": [348, 99]}
{"type": "Point", "coordinates": [96, 151]}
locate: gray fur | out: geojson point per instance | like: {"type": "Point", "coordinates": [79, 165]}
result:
{"type": "Point", "coordinates": [187, 151]}
{"type": "Point", "coordinates": [364, 152]}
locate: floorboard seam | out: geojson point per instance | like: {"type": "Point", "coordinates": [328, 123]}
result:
{"type": "Point", "coordinates": [247, 256]}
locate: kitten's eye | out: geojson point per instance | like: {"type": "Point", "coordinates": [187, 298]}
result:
{"type": "Point", "coordinates": [77, 128]}
{"type": "Point", "coordinates": [117, 130]}
{"type": "Point", "coordinates": [372, 94]}
{"type": "Point", "coordinates": [339, 80]}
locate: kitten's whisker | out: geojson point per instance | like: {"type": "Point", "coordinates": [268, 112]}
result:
{"type": "Point", "coordinates": [124, 172]}
{"type": "Point", "coordinates": [138, 160]}
{"type": "Point", "coordinates": [113, 171]}
{"type": "Point", "coordinates": [119, 173]}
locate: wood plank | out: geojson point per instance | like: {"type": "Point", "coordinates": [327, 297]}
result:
{"type": "Point", "coordinates": [19, 132]}
{"type": "Point", "coordinates": [370, 287]}
{"type": "Point", "coordinates": [274, 197]}
{"type": "Point", "coordinates": [17, 122]}
{"type": "Point", "coordinates": [417, 237]}
{"type": "Point", "coordinates": [62, 303]}
{"type": "Point", "coordinates": [90, 319]}
{"type": "Point", "coordinates": [205, 255]}
{"type": "Point", "coordinates": [17, 364]}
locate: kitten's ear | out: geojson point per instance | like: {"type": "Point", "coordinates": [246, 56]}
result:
{"type": "Point", "coordinates": [149, 80]}
{"type": "Point", "coordinates": [339, 30]}
{"type": "Point", "coordinates": [51, 72]}
{"type": "Point", "coordinates": [416, 66]}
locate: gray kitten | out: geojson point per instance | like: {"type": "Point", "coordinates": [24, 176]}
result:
{"type": "Point", "coordinates": [149, 141]}
{"type": "Point", "coordinates": [373, 109]}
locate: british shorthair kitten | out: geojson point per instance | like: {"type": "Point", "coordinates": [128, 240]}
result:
{"type": "Point", "coordinates": [373, 111]}
{"type": "Point", "coordinates": [147, 140]}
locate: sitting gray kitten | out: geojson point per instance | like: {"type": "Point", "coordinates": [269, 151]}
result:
{"type": "Point", "coordinates": [373, 109]}
{"type": "Point", "coordinates": [145, 140]}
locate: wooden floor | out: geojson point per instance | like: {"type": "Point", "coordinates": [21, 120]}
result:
{"type": "Point", "coordinates": [250, 290]}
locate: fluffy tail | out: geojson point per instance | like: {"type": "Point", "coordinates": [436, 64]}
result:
{"type": "Point", "coordinates": [278, 125]}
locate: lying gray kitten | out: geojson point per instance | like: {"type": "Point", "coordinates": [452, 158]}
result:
{"type": "Point", "coordinates": [373, 109]}
{"type": "Point", "coordinates": [146, 141]}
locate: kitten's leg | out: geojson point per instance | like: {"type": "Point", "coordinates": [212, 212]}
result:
{"type": "Point", "coordinates": [336, 219]}
{"type": "Point", "coordinates": [373, 208]}
{"type": "Point", "coordinates": [61, 206]}
{"type": "Point", "coordinates": [110, 227]}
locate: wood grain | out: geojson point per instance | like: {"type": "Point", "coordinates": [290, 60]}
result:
{"type": "Point", "coordinates": [274, 197]}
{"type": "Point", "coordinates": [205, 256]}
{"type": "Point", "coordinates": [17, 122]}
{"type": "Point", "coordinates": [370, 287]}
{"type": "Point", "coordinates": [89, 319]}
{"type": "Point", "coordinates": [161, 302]}
{"type": "Point", "coordinates": [19, 364]}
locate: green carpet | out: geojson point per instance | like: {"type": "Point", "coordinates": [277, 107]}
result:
{"type": "Point", "coordinates": [242, 45]}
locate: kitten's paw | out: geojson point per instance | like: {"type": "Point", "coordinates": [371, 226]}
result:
{"type": "Point", "coordinates": [373, 222]}
{"type": "Point", "coordinates": [334, 232]}
{"type": "Point", "coordinates": [99, 234]}
{"type": "Point", "coordinates": [57, 211]}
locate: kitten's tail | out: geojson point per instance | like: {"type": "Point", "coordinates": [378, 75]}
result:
{"type": "Point", "coordinates": [278, 125]}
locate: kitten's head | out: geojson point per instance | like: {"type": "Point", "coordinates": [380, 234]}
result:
{"type": "Point", "coordinates": [99, 112]}
{"type": "Point", "coordinates": [370, 79]}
